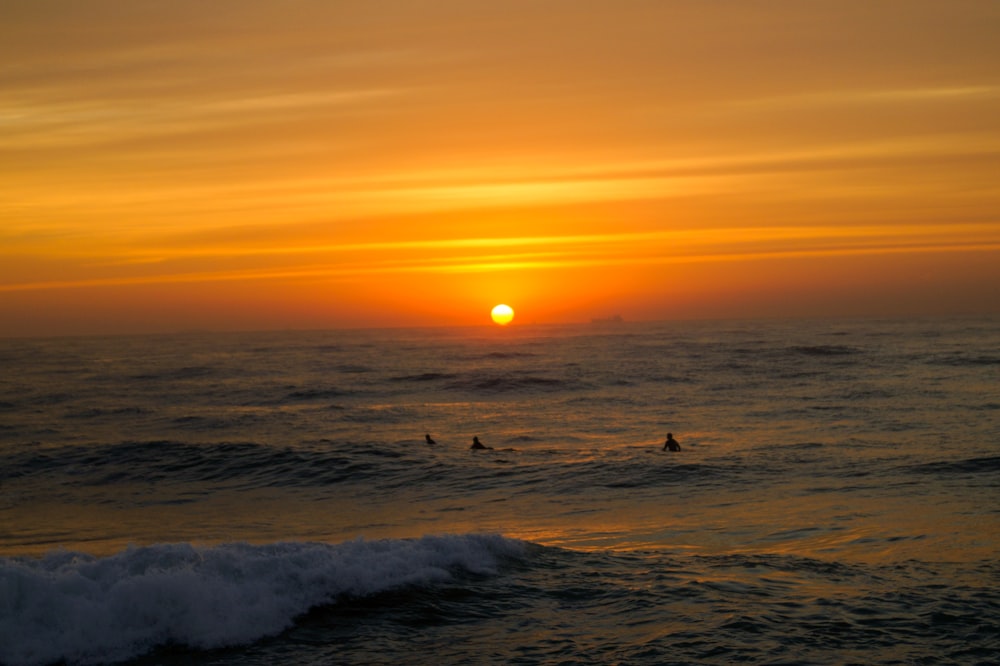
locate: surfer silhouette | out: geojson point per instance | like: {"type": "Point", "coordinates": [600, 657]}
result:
{"type": "Point", "coordinates": [477, 445]}
{"type": "Point", "coordinates": [429, 439]}
{"type": "Point", "coordinates": [671, 443]}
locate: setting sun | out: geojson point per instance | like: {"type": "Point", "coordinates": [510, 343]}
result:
{"type": "Point", "coordinates": [195, 189]}
{"type": "Point", "coordinates": [502, 314]}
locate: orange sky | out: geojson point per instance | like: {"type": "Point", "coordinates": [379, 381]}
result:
{"type": "Point", "coordinates": [314, 163]}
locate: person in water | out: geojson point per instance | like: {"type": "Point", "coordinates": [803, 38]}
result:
{"type": "Point", "coordinates": [429, 439]}
{"type": "Point", "coordinates": [476, 444]}
{"type": "Point", "coordinates": [671, 443]}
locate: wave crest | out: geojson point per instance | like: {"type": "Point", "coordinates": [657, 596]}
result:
{"type": "Point", "coordinates": [73, 607]}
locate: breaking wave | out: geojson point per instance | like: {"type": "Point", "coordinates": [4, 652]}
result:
{"type": "Point", "coordinates": [72, 607]}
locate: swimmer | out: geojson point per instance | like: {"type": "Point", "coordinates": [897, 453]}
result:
{"type": "Point", "coordinates": [671, 443]}
{"type": "Point", "coordinates": [429, 439]}
{"type": "Point", "coordinates": [477, 445]}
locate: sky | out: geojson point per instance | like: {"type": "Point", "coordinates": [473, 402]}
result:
{"type": "Point", "coordinates": [283, 164]}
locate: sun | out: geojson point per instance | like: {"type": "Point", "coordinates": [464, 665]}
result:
{"type": "Point", "coordinates": [502, 314]}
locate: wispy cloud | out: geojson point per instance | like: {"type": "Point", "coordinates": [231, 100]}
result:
{"type": "Point", "coordinates": [479, 255]}
{"type": "Point", "coordinates": [851, 97]}
{"type": "Point", "coordinates": [97, 208]}
{"type": "Point", "coordinates": [40, 124]}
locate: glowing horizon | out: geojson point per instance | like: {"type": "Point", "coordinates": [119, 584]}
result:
{"type": "Point", "coordinates": [201, 167]}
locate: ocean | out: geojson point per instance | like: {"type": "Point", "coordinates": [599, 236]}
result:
{"type": "Point", "coordinates": [261, 498]}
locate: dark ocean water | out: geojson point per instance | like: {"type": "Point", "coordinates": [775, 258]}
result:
{"type": "Point", "coordinates": [269, 497]}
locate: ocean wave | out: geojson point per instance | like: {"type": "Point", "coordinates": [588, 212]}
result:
{"type": "Point", "coordinates": [73, 607]}
{"type": "Point", "coordinates": [166, 460]}
{"type": "Point", "coordinates": [424, 377]}
{"type": "Point", "coordinates": [316, 393]}
{"type": "Point", "coordinates": [960, 360]}
{"type": "Point", "coordinates": [502, 355]}
{"type": "Point", "coordinates": [379, 414]}
{"type": "Point", "coordinates": [986, 465]}
{"type": "Point", "coordinates": [502, 383]}
{"type": "Point", "coordinates": [173, 374]}
{"type": "Point", "coordinates": [823, 350]}
{"type": "Point", "coordinates": [324, 463]}
{"type": "Point", "coordinates": [353, 369]}
{"type": "Point", "coordinates": [99, 412]}
{"type": "Point", "coordinates": [690, 474]}
{"type": "Point", "coordinates": [50, 399]}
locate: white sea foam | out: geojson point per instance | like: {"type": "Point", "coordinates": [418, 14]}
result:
{"type": "Point", "coordinates": [81, 609]}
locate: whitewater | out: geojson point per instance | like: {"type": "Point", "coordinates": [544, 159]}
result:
{"type": "Point", "coordinates": [270, 497]}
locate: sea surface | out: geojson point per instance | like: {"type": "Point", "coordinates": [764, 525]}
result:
{"type": "Point", "coordinates": [262, 498]}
